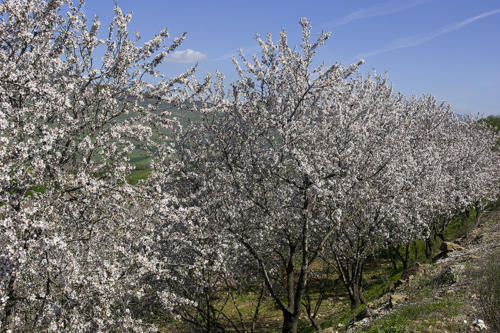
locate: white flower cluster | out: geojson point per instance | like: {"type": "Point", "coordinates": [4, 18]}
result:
{"type": "Point", "coordinates": [75, 238]}
{"type": "Point", "coordinates": [296, 164]}
{"type": "Point", "coordinates": [301, 163]}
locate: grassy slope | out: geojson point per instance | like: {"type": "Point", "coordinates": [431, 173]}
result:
{"type": "Point", "coordinates": [141, 159]}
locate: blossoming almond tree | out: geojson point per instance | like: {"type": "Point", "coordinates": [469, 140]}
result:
{"type": "Point", "coordinates": [471, 165]}
{"type": "Point", "coordinates": [300, 158]}
{"type": "Point", "coordinates": [419, 190]}
{"type": "Point", "coordinates": [74, 235]}
{"type": "Point", "coordinates": [215, 266]}
{"type": "Point", "coordinates": [389, 206]}
{"type": "Point", "coordinates": [276, 164]}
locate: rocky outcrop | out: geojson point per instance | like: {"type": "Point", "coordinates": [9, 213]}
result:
{"type": "Point", "coordinates": [447, 248]}
{"type": "Point", "coordinates": [396, 299]}
{"type": "Point", "coordinates": [450, 247]}
{"type": "Point", "coordinates": [412, 272]}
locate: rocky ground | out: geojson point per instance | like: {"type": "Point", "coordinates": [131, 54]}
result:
{"type": "Point", "coordinates": [439, 296]}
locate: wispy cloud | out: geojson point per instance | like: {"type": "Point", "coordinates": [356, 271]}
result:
{"type": "Point", "coordinates": [226, 56]}
{"type": "Point", "coordinates": [185, 56]}
{"type": "Point", "coordinates": [462, 109]}
{"type": "Point", "coordinates": [247, 51]}
{"type": "Point", "coordinates": [377, 10]}
{"type": "Point", "coordinates": [414, 40]}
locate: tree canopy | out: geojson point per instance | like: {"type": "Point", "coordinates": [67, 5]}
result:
{"type": "Point", "coordinates": [294, 164]}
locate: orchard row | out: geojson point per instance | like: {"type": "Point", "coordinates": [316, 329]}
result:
{"type": "Point", "coordinates": [289, 166]}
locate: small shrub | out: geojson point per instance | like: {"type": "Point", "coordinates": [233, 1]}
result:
{"type": "Point", "coordinates": [488, 289]}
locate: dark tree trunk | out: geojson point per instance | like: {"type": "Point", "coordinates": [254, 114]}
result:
{"type": "Point", "coordinates": [394, 260]}
{"type": "Point", "coordinates": [315, 324]}
{"type": "Point", "coordinates": [407, 257]}
{"type": "Point", "coordinates": [208, 313]}
{"type": "Point", "coordinates": [351, 274]}
{"type": "Point", "coordinates": [404, 259]}
{"type": "Point", "coordinates": [428, 247]}
{"type": "Point", "coordinates": [355, 290]}
{"type": "Point", "coordinates": [463, 218]}
{"type": "Point", "coordinates": [355, 296]}
{"type": "Point", "coordinates": [311, 313]}
{"type": "Point", "coordinates": [9, 307]}
{"type": "Point", "coordinates": [290, 322]}
{"type": "Point", "coordinates": [295, 280]}
{"type": "Point", "coordinates": [256, 313]}
{"type": "Point", "coordinates": [415, 249]}
{"type": "Point", "coordinates": [477, 218]}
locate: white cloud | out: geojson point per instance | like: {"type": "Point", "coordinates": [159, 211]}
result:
{"type": "Point", "coordinates": [377, 10]}
{"type": "Point", "coordinates": [185, 56]}
{"type": "Point", "coordinates": [414, 40]}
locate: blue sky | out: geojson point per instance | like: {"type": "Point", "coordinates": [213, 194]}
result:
{"type": "Point", "coordinates": [447, 48]}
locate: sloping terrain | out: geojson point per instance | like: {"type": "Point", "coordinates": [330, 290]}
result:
{"type": "Point", "coordinates": [441, 296]}
{"type": "Point", "coordinates": [438, 295]}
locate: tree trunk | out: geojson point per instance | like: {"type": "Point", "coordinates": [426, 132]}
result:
{"type": "Point", "coordinates": [464, 216]}
{"type": "Point", "coordinates": [355, 295]}
{"type": "Point", "coordinates": [394, 260]}
{"type": "Point", "coordinates": [314, 322]}
{"type": "Point", "coordinates": [351, 274]}
{"type": "Point", "coordinates": [355, 301]}
{"type": "Point", "coordinates": [478, 215]}
{"type": "Point", "coordinates": [311, 314]}
{"type": "Point", "coordinates": [428, 247]}
{"type": "Point", "coordinates": [9, 307]}
{"type": "Point", "coordinates": [257, 307]}
{"type": "Point", "coordinates": [207, 313]}
{"type": "Point", "coordinates": [407, 257]}
{"type": "Point", "coordinates": [316, 325]}
{"type": "Point", "coordinates": [290, 322]}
